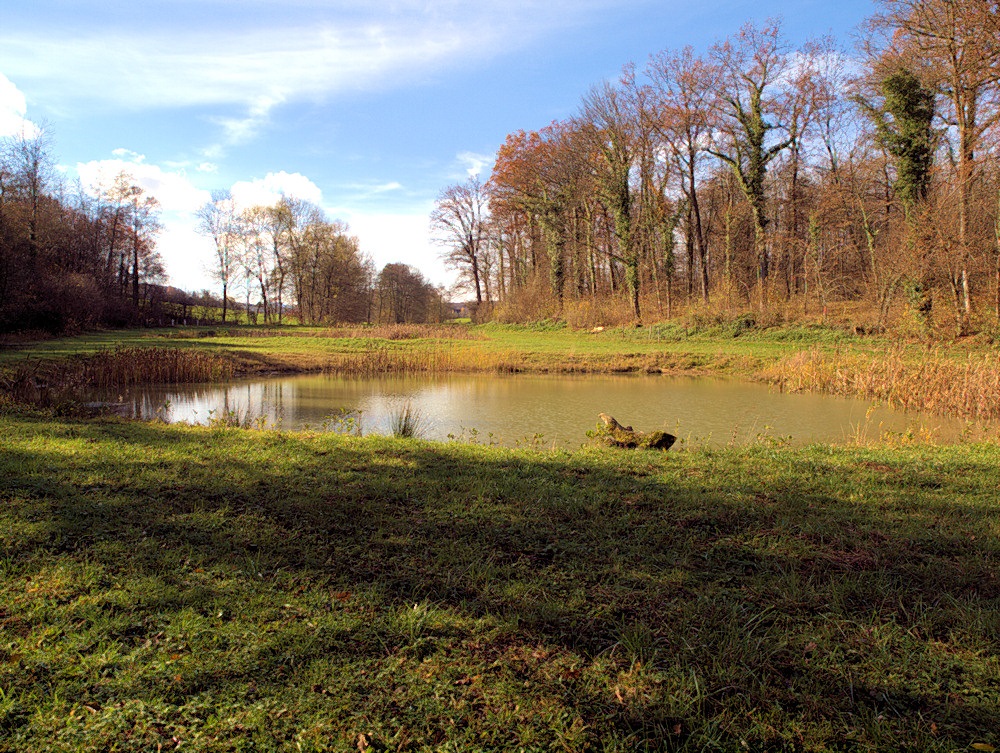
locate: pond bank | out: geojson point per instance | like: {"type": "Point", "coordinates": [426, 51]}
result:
{"type": "Point", "coordinates": [960, 380]}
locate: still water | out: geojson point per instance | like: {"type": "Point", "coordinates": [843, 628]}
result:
{"type": "Point", "coordinates": [513, 409]}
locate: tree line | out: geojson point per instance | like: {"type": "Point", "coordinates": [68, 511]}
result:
{"type": "Point", "coordinates": [75, 257]}
{"type": "Point", "coordinates": [70, 258]}
{"type": "Point", "coordinates": [755, 174]}
{"type": "Point", "coordinates": [290, 256]}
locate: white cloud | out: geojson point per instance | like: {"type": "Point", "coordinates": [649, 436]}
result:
{"type": "Point", "coordinates": [399, 237]}
{"type": "Point", "coordinates": [13, 111]}
{"type": "Point", "coordinates": [173, 190]}
{"type": "Point", "coordinates": [307, 50]}
{"type": "Point", "coordinates": [186, 253]}
{"type": "Point", "coordinates": [129, 155]}
{"type": "Point", "coordinates": [474, 164]}
{"type": "Point", "coordinates": [268, 190]}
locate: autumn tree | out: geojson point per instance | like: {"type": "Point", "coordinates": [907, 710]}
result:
{"type": "Point", "coordinates": [145, 225]}
{"type": "Point", "coordinates": [404, 296]}
{"type": "Point", "coordinates": [72, 256]}
{"type": "Point", "coordinates": [956, 44]}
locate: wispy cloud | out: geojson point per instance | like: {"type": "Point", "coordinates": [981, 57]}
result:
{"type": "Point", "coordinates": [473, 164]}
{"type": "Point", "coordinates": [242, 130]}
{"type": "Point", "coordinates": [255, 69]}
{"type": "Point", "coordinates": [302, 50]}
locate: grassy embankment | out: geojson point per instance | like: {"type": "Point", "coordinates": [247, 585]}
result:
{"type": "Point", "coordinates": [217, 589]}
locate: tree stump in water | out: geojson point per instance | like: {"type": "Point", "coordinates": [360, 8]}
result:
{"type": "Point", "coordinates": [616, 435]}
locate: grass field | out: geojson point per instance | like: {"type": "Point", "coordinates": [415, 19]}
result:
{"type": "Point", "coordinates": [217, 589]}
{"type": "Point", "coordinates": [484, 348]}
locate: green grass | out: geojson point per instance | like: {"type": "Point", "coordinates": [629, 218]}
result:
{"type": "Point", "coordinates": [485, 347]}
{"type": "Point", "coordinates": [215, 589]}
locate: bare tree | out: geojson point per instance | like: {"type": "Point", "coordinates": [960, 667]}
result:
{"type": "Point", "coordinates": [682, 90]}
{"type": "Point", "coordinates": [751, 109]}
{"type": "Point", "coordinates": [459, 224]}
{"type": "Point", "coordinates": [217, 219]}
{"type": "Point", "coordinates": [610, 117]}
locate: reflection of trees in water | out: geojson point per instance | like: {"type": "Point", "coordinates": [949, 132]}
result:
{"type": "Point", "coordinates": [562, 409]}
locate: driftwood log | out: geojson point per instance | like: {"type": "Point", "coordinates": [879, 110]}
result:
{"type": "Point", "coordinates": [616, 435]}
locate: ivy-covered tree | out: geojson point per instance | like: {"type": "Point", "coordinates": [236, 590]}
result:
{"type": "Point", "coordinates": [904, 128]}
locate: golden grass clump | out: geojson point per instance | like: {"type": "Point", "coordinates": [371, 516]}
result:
{"type": "Point", "coordinates": [964, 388]}
{"type": "Point", "coordinates": [123, 367]}
{"type": "Point", "coordinates": [383, 359]}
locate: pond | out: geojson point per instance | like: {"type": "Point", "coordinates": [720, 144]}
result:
{"type": "Point", "coordinates": [543, 410]}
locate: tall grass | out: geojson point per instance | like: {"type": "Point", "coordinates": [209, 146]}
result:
{"type": "Point", "coordinates": [123, 367]}
{"type": "Point", "coordinates": [405, 332]}
{"type": "Point", "coordinates": [967, 388]}
{"type": "Point", "coordinates": [49, 382]}
{"type": "Point", "coordinates": [380, 331]}
{"type": "Point", "coordinates": [406, 422]}
{"type": "Point", "coordinates": [381, 359]}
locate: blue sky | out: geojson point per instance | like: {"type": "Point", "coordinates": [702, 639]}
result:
{"type": "Point", "coordinates": [367, 108]}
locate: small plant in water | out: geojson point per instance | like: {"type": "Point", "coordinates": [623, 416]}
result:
{"type": "Point", "coordinates": [535, 442]}
{"type": "Point", "coordinates": [406, 422]}
{"type": "Point", "coordinates": [344, 421]}
{"type": "Point", "coordinates": [238, 419]}
{"type": "Point", "coordinates": [163, 412]}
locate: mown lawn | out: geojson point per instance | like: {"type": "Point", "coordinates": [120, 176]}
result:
{"type": "Point", "coordinates": [217, 589]}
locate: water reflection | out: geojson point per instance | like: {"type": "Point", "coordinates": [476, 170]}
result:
{"type": "Point", "coordinates": [513, 409]}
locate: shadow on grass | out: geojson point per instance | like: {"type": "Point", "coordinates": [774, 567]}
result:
{"type": "Point", "coordinates": [802, 589]}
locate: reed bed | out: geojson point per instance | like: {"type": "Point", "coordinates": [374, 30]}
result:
{"type": "Point", "coordinates": [123, 367]}
{"type": "Point", "coordinates": [45, 382]}
{"type": "Point", "coordinates": [966, 388]}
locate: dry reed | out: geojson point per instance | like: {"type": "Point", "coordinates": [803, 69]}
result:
{"type": "Point", "coordinates": [45, 382]}
{"type": "Point", "coordinates": [966, 389]}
